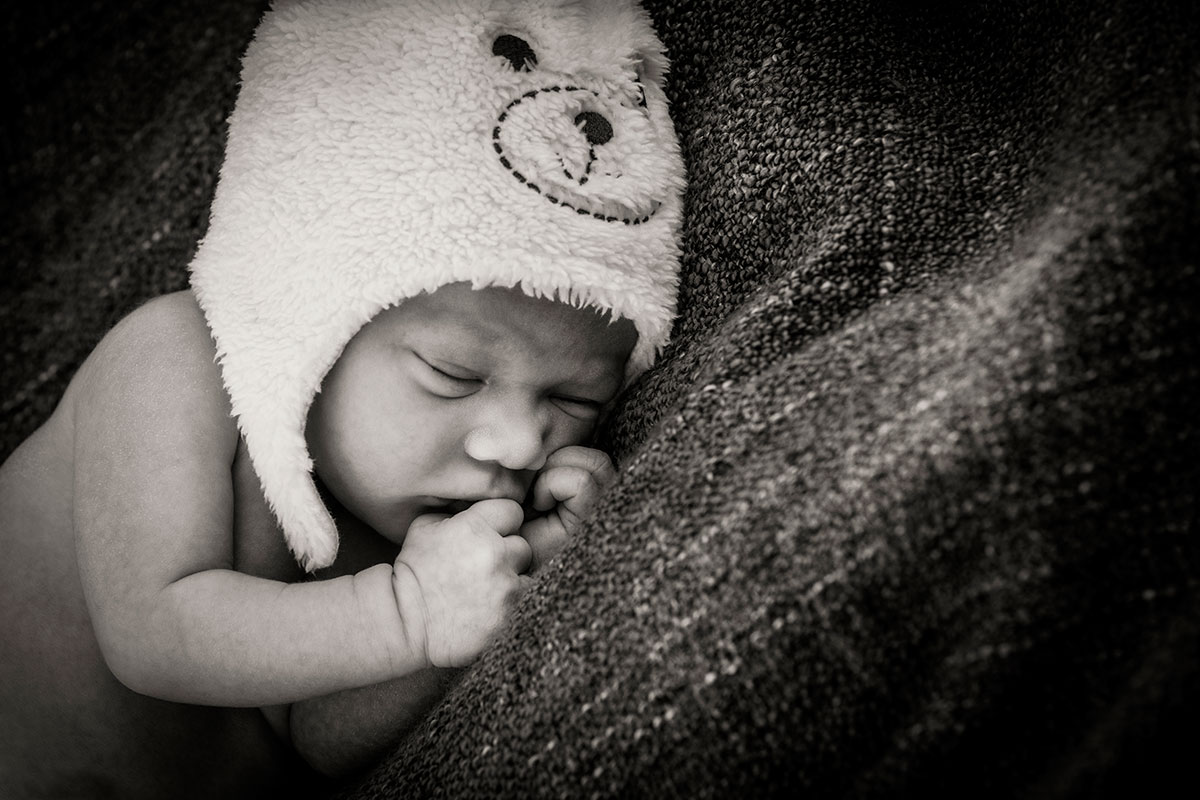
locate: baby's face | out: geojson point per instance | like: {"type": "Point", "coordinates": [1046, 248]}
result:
{"type": "Point", "coordinates": [457, 396]}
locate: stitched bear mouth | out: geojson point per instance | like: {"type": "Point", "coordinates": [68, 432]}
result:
{"type": "Point", "coordinates": [552, 148]}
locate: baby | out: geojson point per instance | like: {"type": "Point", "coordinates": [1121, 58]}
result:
{"type": "Point", "coordinates": [273, 511]}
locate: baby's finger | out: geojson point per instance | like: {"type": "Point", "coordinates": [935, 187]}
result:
{"type": "Point", "coordinates": [594, 461]}
{"type": "Point", "coordinates": [575, 488]}
{"type": "Point", "coordinates": [500, 515]}
{"type": "Point", "coordinates": [516, 553]}
{"type": "Point", "coordinates": [547, 537]}
{"type": "Point", "coordinates": [425, 520]}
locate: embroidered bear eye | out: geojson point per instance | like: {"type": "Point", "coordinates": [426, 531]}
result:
{"type": "Point", "coordinates": [518, 52]}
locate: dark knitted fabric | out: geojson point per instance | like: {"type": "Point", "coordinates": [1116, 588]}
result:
{"type": "Point", "coordinates": [910, 506]}
{"type": "Point", "coordinates": [110, 148]}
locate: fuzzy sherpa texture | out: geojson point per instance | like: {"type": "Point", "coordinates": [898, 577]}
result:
{"type": "Point", "coordinates": [380, 149]}
{"type": "Point", "coordinates": [933, 541]}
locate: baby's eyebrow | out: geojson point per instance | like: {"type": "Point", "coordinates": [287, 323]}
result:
{"type": "Point", "coordinates": [456, 336]}
{"type": "Point", "coordinates": [467, 343]}
{"type": "Point", "coordinates": [598, 373]}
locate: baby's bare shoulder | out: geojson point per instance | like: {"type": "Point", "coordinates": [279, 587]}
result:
{"type": "Point", "coordinates": [156, 366]}
{"type": "Point", "coordinates": [165, 338]}
{"type": "Point", "coordinates": [165, 328]}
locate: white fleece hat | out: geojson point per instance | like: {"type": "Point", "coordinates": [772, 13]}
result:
{"type": "Point", "coordinates": [383, 148]}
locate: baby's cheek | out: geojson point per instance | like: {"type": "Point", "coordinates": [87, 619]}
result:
{"type": "Point", "coordinates": [574, 432]}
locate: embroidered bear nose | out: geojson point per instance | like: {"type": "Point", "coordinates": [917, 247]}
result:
{"type": "Point", "coordinates": [596, 128]}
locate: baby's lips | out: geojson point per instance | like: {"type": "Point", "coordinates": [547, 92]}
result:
{"type": "Point", "coordinates": [454, 506]}
{"type": "Point", "coordinates": [444, 505]}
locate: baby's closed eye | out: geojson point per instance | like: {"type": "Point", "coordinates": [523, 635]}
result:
{"type": "Point", "coordinates": [448, 379]}
{"type": "Point", "coordinates": [576, 406]}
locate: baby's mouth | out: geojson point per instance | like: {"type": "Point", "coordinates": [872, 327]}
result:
{"type": "Point", "coordinates": [451, 506]}
{"type": "Point", "coordinates": [441, 505]}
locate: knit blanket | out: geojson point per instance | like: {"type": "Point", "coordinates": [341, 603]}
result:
{"type": "Point", "coordinates": [909, 508]}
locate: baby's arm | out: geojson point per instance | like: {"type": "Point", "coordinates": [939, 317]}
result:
{"type": "Point", "coordinates": [154, 517]}
{"type": "Point", "coordinates": [349, 730]}
{"type": "Point", "coordinates": [343, 731]}
{"type": "Point", "coordinates": [346, 730]}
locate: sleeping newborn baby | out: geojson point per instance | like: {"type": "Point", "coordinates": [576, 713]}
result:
{"type": "Point", "coordinates": [273, 511]}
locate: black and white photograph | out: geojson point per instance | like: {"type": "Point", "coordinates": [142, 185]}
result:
{"type": "Point", "coordinates": [575, 399]}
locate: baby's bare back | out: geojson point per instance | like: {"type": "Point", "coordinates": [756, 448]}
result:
{"type": "Point", "coordinates": [67, 726]}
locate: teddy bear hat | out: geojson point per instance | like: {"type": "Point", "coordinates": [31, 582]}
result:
{"type": "Point", "coordinates": [379, 149]}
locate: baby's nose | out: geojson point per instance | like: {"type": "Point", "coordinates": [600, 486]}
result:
{"type": "Point", "coordinates": [514, 444]}
{"type": "Point", "coordinates": [596, 127]}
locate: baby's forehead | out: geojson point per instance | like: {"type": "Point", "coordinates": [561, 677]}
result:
{"type": "Point", "coordinates": [493, 317]}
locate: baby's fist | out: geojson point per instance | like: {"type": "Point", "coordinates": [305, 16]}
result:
{"type": "Point", "coordinates": [457, 578]}
{"type": "Point", "coordinates": [564, 492]}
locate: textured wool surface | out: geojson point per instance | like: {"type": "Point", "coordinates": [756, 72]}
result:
{"type": "Point", "coordinates": [909, 507]}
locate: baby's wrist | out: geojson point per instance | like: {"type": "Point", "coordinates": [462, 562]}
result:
{"type": "Point", "coordinates": [410, 611]}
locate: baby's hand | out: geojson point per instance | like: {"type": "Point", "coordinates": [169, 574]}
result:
{"type": "Point", "coordinates": [567, 487]}
{"type": "Point", "coordinates": [457, 578]}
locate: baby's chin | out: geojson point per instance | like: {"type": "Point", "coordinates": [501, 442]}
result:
{"type": "Point", "coordinates": [393, 524]}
